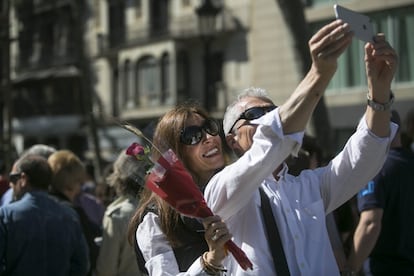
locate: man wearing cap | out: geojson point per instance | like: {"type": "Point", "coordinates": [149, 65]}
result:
{"type": "Point", "coordinates": [385, 229]}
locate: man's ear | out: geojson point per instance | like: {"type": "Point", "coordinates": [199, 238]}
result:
{"type": "Point", "coordinates": [231, 140]}
{"type": "Point", "coordinates": [24, 179]}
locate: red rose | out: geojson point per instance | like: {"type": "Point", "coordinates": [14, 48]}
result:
{"type": "Point", "coordinates": [135, 149]}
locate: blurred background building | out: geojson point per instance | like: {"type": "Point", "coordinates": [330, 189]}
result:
{"type": "Point", "coordinates": [70, 69]}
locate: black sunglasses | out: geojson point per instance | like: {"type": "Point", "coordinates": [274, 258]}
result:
{"type": "Point", "coordinates": [253, 113]}
{"type": "Point", "coordinates": [13, 177]}
{"type": "Point", "coordinates": [192, 135]}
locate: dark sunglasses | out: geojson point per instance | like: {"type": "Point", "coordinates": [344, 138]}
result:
{"type": "Point", "coordinates": [192, 135]}
{"type": "Point", "coordinates": [253, 113]}
{"type": "Point", "coordinates": [13, 177]}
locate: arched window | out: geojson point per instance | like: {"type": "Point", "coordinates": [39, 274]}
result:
{"type": "Point", "coordinates": [148, 82]}
{"type": "Point", "coordinates": [131, 102]}
{"type": "Point", "coordinates": [136, 84]}
{"type": "Point", "coordinates": [128, 88]}
{"type": "Point", "coordinates": [165, 79]}
{"type": "Point", "coordinates": [125, 84]}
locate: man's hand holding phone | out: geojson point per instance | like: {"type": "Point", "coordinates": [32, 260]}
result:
{"type": "Point", "coordinates": [360, 24]}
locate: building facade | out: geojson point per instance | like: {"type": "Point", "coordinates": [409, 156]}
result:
{"type": "Point", "coordinates": [46, 70]}
{"type": "Point", "coordinates": [133, 60]}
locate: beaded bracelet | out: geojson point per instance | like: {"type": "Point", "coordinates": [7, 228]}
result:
{"type": "Point", "coordinates": [209, 268]}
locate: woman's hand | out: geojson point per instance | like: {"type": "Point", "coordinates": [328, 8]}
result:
{"type": "Point", "coordinates": [216, 236]}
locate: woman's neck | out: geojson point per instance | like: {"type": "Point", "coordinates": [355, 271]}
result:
{"type": "Point", "coordinates": [203, 180]}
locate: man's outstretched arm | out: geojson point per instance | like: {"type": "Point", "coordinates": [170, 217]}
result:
{"type": "Point", "coordinates": [325, 47]}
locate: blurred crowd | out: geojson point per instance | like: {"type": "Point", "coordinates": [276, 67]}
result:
{"type": "Point", "coordinates": [58, 219]}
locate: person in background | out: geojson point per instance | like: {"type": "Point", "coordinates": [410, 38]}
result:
{"type": "Point", "coordinates": [41, 150]}
{"type": "Point", "coordinates": [36, 149]}
{"type": "Point", "coordinates": [104, 192]}
{"type": "Point", "coordinates": [92, 206]}
{"type": "Point", "coordinates": [4, 182]}
{"type": "Point", "coordinates": [385, 229]}
{"type": "Point", "coordinates": [7, 197]}
{"type": "Point", "coordinates": [116, 255]}
{"type": "Point", "coordinates": [39, 236]}
{"type": "Point", "coordinates": [88, 200]}
{"type": "Point", "coordinates": [407, 137]}
{"type": "Point", "coordinates": [68, 175]}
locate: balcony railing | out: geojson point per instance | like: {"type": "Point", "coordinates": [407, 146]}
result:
{"type": "Point", "coordinates": [180, 28]}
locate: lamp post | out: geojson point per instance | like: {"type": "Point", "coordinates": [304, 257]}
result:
{"type": "Point", "coordinates": [206, 14]}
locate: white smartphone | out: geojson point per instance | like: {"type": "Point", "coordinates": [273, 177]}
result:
{"type": "Point", "coordinates": [360, 24]}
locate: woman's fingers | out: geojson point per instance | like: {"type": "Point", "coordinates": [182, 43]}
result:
{"type": "Point", "coordinates": [220, 234]}
{"type": "Point", "coordinates": [216, 230]}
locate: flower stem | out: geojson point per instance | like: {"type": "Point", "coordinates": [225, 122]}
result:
{"type": "Point", "coordinates": [139, 133]}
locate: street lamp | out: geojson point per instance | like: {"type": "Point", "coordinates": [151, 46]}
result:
{"type": "Point", "coordinates": [207, 13]}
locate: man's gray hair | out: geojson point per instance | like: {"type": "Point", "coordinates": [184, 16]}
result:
{"type": "Point", "coordinates": [234, 110]}
{"type": "Point", "coordinates": [40, 149]}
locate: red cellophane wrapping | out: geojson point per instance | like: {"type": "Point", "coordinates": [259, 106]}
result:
{"type": "Point", "coordinates": [172, 182]}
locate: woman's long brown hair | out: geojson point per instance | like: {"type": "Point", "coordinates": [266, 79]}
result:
{"type": "Point", "coordinates": [166, 136]}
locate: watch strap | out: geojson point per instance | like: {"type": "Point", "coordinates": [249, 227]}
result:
{"type": "Point", "coordinates": [379, 106]}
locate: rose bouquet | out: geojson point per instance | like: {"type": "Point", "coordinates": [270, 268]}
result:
{"type": "Point", "coordinates": [168, 178]}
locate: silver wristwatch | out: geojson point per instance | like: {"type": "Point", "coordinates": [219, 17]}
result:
{"type": "Point", "coordinates": [378, 106]}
